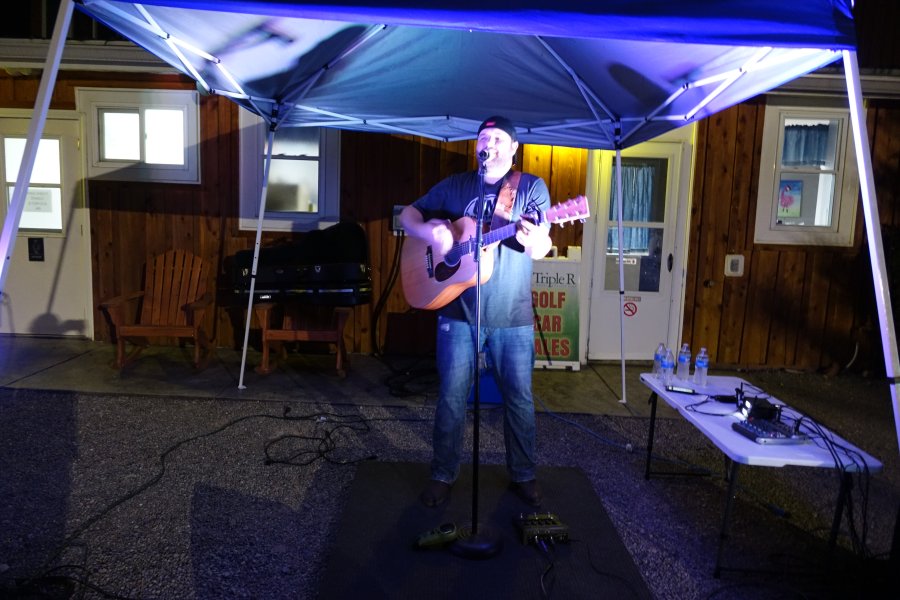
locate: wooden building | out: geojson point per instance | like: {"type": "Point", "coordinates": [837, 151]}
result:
{"type": "Point", "coordinates": [795, 307]}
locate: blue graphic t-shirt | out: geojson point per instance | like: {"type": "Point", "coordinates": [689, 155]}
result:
{"type": "Point", "coordinates": [506, 296]}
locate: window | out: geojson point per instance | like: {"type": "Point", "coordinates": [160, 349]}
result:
{"type": "Point", "coordinates": [303, 191]}
{"type": "Point", "coordinates": [808, 180]}
{"type": "Point", "coordinates": [643, 223]}
{"type": "Point", "coordinates": [142, 135]}
{"type": "Point", "coordinates": [43, 201]}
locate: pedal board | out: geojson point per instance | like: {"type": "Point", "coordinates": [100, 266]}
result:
{"type": "Point", "coordinates": [541, 526]}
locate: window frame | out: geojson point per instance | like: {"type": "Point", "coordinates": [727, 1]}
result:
{"type": "Point", "coordinates": [253, 135]}
{"type": "Point", "coordinates": [845, 198]}
{"type": "Point", "coordinates": [92, 102]}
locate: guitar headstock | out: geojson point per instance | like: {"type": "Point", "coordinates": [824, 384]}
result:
{"type": "Point", "coordinates": [576, 209]}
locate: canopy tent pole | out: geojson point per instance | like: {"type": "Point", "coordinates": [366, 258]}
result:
{"type": "Point", "coordinates": [873, 231]}
{"type": "Point", "coordinates": [270, 140]}
{"type": "Point", "coordinates": [620, 218]}
{"type": "Point", "coordinates": [35, 131]}
{"type": "Point", "coordinates": [587, 94]}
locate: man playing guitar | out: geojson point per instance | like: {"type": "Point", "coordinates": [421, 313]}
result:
{"type": "Point", "coordinates": [507, 325]}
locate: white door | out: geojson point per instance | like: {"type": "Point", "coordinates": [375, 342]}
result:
{"type": "Point", "coordinates": [656, 187]}
{"type": "Point", "coordinates": [48, 286]}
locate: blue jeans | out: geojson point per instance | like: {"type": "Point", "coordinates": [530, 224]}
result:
{"type": "Point", "coordinates": [511, 353]}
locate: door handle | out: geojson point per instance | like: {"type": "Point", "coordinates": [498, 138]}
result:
{"type": "Point", "coordinates": [669, 262]}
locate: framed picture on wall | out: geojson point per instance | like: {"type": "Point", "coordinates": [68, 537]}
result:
{"type": "Point", "coordinates": [790, 197]}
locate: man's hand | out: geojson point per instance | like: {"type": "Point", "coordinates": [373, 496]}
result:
{"type": "Point", "coordinates": [436, 232]}
{"type": "Point", "coordinates": [441, 236]}
{"type": "Point", "coordinates": [534, 238]}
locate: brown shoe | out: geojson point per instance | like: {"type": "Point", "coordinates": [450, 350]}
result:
{"type": "Point", "coordinates": [529, 491]}
{"type": "Point", "coordinates": [435, 493]}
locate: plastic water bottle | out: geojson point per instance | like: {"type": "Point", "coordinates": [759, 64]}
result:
{"type": "Point", "coordinates": [658, 358]}
{"type": "Point", "coordinates": [667, 367]}
{"type": "Point", "coordinates": [701, 367]}
{"type": "Point", "coordinates": [683, 370]}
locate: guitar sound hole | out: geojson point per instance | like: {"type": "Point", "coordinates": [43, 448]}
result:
{"type": "Point", "coordinates": [444, 271]}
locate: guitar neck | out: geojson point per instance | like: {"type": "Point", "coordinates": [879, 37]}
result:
{"type": "Point", "coordinates": [561, 213]}
{"type": "Point", "coordinates": [468, 246]}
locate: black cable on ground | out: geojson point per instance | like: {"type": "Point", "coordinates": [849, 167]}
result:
{"type": "Point", "coordinates": [48, 579]}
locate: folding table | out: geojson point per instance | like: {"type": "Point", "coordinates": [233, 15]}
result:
{"type": "Point", "coordinates": [824, 449]}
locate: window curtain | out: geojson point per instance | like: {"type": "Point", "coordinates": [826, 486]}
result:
{"type": "Point", "coordinates": [637, 187]}
{"type": "Point", "coordinates": [805, 146]}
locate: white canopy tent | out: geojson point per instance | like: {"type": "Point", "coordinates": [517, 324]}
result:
{"type": "Point", "coordinates": [604, 75]}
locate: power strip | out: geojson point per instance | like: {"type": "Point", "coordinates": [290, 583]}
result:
{"type": "Point", "coordinates": [541, 527]}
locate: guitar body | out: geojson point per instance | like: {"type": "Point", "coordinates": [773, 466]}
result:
{"type": "Point", "coordinates": [428, 281]}
{"type": "Point", "coordinates": [432, 280]}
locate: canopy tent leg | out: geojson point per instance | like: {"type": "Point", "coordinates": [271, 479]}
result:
{"type": "Point", "coordinates": [35, 131]}
{"type": "Point", "coordinates": [259, 223]}
{"type": "Point", "coordinates": [873, 231]}
{"type": "Point", "coordinates": [620, 218]}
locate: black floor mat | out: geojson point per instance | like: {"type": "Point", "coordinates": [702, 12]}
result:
{"type": "Point", "coordinates": [374, 554]}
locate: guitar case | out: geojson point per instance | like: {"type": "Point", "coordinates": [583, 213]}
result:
{"type": "Point", "coordinates": [328, 266]}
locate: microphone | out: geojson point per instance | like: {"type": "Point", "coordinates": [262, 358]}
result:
{"type": "Point", "coordinates": [484, 155]}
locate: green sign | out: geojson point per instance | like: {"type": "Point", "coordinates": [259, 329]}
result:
{"type": "Point", "coordinates": [554, 294]}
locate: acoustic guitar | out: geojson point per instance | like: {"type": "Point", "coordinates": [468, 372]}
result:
{"type": "Point", "coordinates": [432, 280]}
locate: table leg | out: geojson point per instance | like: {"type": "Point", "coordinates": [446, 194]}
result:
{"type": "Point", "coordinates": [652, 400]}
{"type": "Point", "coordinates": [726, 519]}
{"type": "Point", "coordinates": [846, 484]}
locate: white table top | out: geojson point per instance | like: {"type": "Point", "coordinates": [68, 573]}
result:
{"type": "Point", "coordinates": [714, 418]}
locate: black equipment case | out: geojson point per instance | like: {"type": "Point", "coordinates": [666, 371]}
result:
{"type": "Point", "coordinates": [328, 267]}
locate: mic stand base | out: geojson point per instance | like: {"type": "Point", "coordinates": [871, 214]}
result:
{"type": "Point", "coordinates": [477, 546]}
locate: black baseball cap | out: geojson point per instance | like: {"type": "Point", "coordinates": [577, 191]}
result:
{"type": "Point", "coordinates": [499, 122]}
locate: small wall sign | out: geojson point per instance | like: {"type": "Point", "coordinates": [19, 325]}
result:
{"type": "Point", "coordinates": [36, 249]}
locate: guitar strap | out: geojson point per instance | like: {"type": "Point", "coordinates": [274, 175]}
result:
{"type": "Point", "coordinates": [506, 198]}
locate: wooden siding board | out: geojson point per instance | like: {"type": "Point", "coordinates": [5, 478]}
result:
{"type": "Point", "coordinates": [731, 325]}
{"type": "Point", "coordinates": [760, 302]}
{"type": "Point", "coordinates": [786, 310]}
{"type": "Point", "coordinates": [714, 210]}
{"type": "Point", "coordinates": [748, 137]}
{"type": "Point", "coordinates": [814, 308]}
{"type": "Point", "coordinates": [129, 239]}
{"type": "Point", "coordinates": [566, 179]}
{"type": "Point", "coordinates": [839, 339]}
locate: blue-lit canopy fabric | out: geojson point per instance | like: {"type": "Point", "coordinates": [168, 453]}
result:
{"type": "Point", "coordinates": [603, 74]}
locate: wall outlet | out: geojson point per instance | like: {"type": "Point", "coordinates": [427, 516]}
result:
{"type": "Point", "coordinates": [734, 265]}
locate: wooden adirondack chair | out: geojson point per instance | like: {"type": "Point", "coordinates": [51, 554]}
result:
{"type": "Point", "coordinates": [172, 304]}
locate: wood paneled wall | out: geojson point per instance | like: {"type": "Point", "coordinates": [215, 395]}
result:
{"type": "Point", "coordinates": [796, 307]}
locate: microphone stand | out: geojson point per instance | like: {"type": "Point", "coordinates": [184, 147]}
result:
{"type": "Point", "coordinates": [477, 541]}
